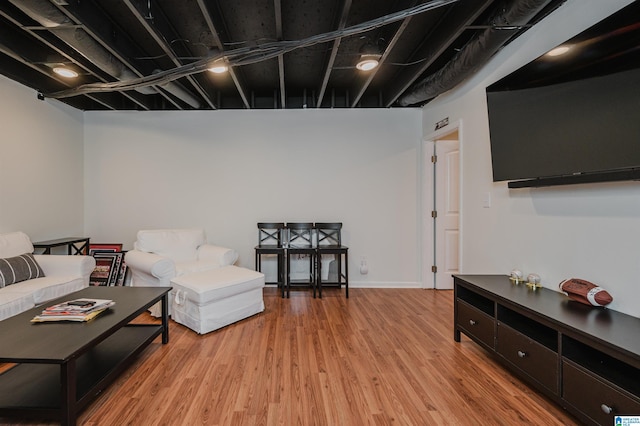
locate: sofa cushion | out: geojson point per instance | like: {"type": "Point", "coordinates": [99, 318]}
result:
{"type": "Point", "coordinates": [47, 288]}
{"type": "Point", "coordinates": [14, 244]}
{"type": "Point", "coordinates": [181, 245]}
{"type": "Point", "coordinates": [14, 302]}
{"type": "Point", "coordinates": [19, 268]}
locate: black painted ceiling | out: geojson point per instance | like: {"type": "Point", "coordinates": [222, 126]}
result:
{"type": "Point", "coordinates": [154, 54]}
{"type": "Point", "coordinates": [610, 46]}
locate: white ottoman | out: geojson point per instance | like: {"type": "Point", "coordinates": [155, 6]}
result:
{"type": "Point", "coordinates": [208, 300]}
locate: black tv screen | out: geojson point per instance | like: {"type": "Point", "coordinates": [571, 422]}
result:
{"type": "Point", "coordinates": [577, 115]}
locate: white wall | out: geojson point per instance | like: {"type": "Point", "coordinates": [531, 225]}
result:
{"type": "Point", "coordinates": [41, 165]}
{"type": "Point", "coordinates": [583, 231]}
{"type": "Point", "coordinates": [227, 170]}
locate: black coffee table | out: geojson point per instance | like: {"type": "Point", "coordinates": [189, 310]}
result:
{"type": "Point", "coordinates": [63, 366]}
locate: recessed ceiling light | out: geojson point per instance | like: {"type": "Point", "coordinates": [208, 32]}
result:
{"type": "Point", "coordinates": [370, 54]}
{"type": "Point", "coordinates": [65, 72]}
{"type": "Point", "coordinates": [560, 50]}
{"type": "Point", "coordinates": [218, 67]}
{"type": "Point", "coordinates": [367, 64]}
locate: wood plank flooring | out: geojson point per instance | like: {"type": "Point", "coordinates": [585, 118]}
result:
{"type": "Point", "coordinates": [381, 357]}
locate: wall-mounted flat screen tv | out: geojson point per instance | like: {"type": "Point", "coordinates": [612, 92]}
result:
{"type": "Point", "coordinates": [574, 117]}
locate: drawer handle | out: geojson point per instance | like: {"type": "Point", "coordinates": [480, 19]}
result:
{"type": "Point", "coordinates": [606, 409]}
{"type": "Point", "coordinates": [472, 322]}
{"type": "Point", "coordinates": [522, 354]}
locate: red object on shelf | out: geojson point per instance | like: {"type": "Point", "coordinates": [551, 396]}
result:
{"type": "Point", "coordinates": [585, 292]}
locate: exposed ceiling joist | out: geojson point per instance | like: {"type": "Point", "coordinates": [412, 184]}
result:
{"type": "Point", "coordinates": [207, 9]}
{"type": "Point", "coordinates": [341, 23]}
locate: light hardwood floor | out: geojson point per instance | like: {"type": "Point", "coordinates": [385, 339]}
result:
{"type": "Point", "coordinates": [381, 357]}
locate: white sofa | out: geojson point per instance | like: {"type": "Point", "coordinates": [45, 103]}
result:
{"type": "Point", "coordinates": [62, 275]}
{"type": "Point", "coordinates": [208, 290]}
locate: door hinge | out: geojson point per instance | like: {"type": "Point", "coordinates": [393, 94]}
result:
{"type": "Point", "coordinates": [434, 269]}
{"type": "Point", "coordinates": [434, 158]}
{"type": "Point", "coordinates": [434, 214]}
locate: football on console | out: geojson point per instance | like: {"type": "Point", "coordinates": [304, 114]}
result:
{"type": "Point", "coordinates": [585, 292]}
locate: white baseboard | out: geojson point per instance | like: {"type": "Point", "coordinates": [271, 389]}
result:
{"type": "Point", "coordinates": [384, 284]}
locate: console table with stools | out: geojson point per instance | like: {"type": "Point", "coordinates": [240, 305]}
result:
{"type": "Point", "coordinates": [585, 358]}
{"type": "Point", "coordinates": [75, 245]}
{"type": "Point", "coordinates": [317, 241]}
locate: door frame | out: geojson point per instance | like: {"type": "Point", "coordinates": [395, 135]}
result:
{"type": "Point", "coordinates": [427, 195]}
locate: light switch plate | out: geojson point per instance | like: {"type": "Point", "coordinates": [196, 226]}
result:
{"type": "Point", "coordinates": [486, 200]}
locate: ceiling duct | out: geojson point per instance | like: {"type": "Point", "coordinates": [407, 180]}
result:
{"type": "Point", "coordinates": [47, 15]}
{"type": "Point", "coordinates": [179, 92]}
{"type": "Point", "coordinates": [42, 12]}
{"type": "Point", "coordinates": [476, 52]}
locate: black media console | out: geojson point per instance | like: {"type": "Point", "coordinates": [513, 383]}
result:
{"type": "Point", "coordinates": [587, 359]}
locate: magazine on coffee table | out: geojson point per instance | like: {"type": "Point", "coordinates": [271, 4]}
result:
{"type": "Point", "coordinates": [74, 310]}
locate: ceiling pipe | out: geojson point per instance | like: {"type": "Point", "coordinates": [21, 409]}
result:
{"type": "Point", "coordinates": [475, 53]}
{"type": "Point", "coordinates": [47, 15]}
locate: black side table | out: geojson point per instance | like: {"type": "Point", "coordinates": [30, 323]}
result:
{"type": "Point", "coordinates": [75, 245]}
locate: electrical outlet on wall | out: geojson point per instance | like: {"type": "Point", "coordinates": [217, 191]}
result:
{"type": "Point", "coordinates": [364, 266]}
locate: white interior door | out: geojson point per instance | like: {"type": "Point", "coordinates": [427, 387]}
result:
{"type": "Point", "coordinates": [447, 208]}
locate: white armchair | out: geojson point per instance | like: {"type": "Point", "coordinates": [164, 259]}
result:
{"type": "Point", "coordinates": [162, 254]}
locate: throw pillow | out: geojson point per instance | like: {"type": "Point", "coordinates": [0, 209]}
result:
{"type": "Point", "coordinates": [19, 268]}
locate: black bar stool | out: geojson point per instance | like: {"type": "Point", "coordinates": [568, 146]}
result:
{"type": "Point", "coordinates": [330, 243]}
{"type": "Point", "coordinates": [301, 242]}
{"type": "Point", "coordinates": [271, 242]}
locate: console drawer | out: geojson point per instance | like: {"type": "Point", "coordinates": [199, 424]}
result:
{"type": "Point", "coordinates": [592, 395]}
{"type": "Point", "coordinates": [476, 323]}
{"type": "Point", "coordinates": [534, 359]}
